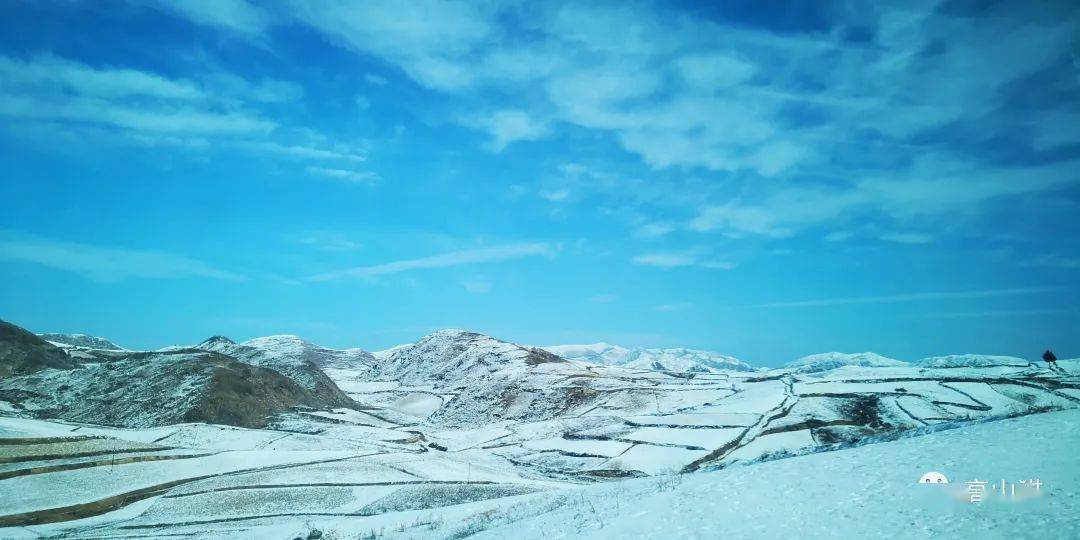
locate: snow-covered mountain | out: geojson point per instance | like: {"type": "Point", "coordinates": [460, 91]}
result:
{"type": "Point", "coordinates": [22, 353]}
{"type": "Point", "coordinates": [138, 389]}
{"type": "Point", "coordinates": [287, 349]}
{"type": "Point", "coordinates": [293, 357]}
{"type": "Point", "coordinates": [461, 357]}
{"type": "Point", "coordinates": [596, 353]}
{"type": "Point", "coordinates": [385, 353]}
{"type": "Point", "coordinates": [816, 363]}
{"type": "Point", "coordinates": [81, 340]}
{"type": "Point", "coordinates": [680, 360]}
{"type": "Point", "coordinates": [971, 360]}
{"type": "Point", "coordinates": [684, 360]}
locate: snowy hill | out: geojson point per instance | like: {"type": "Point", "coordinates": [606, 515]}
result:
{"type": "Point", "coordinates": [684, 360]}
{"type": "Point", "coordinates": [288, 350]}
{"type": "Point", "coordinates": [816, 363]}
{"type": "Point", "coordinates": [153, 389]}
{"type": "Point", "coordinates": [383, 354]}
{"type": "Point", "coordinates": [971, 360]}
{"type": "Point", "coordinates": [596, 353]}
{"type": "Point", "coordinates": [461, 357]}
{"type": "Point", "coordinates": [293, 357]}
{"type": "Point", "coordinates": [676, 359]}
{"type": "Point", "coordinates": [832, 495]}
{"type": "Point", "coordinates": [22, 352]}
{"type": "Point", "coordinates": [81, 340]}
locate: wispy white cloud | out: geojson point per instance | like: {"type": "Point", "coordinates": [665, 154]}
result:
{"type": "Point", "coordinates": [456, 258]}
{"type": "Point", "coordinates": [265, 90]}
{"type": "Point", "coordinates": [909, 297]}
{"type": "Point", "coordinates": [668, 308]}
{"type": "Point", "coordinates": [47, 88]}
{"type": "Point", "coordinates": [507, 126]}
{"type": "Point", "coordinates": [999, 313]}
{"type": "Point", "coordinates": [839, 236]}
{"type": "Point", "coordinates": [477, 286]}
{"type": "Point", "coordinates": [666, 260]}
{"type": "Point", "coordinates": [427, 39]}
{"type": "Point", "coordinates": [908, 238]}
{"type": "Point", "coordinates": [105, 263]}
{"type": "Point", "coordinates": [654, 230]}
{"type": "Point", "coordinates": [1054, 260]}
{"type": "Point", "coordinates": [326, 241]}
{"type": "Point", "coordinates": [695, 93]}
{"type": "Point", "coordinates": [718, 265]}
{"type": "Point", "coordinates": [55, 100]}
{"type": "Point", "coordinates": [76, 77]}
{"type": "Point", "coordinates": [360, 177]}
{"type": "Point", "coordinates": [237, 16]}
{"type": "Point", "coordinates": [156, 120]}
{"type": "Point", "coordinates": [555, 195]}
{"type": "Point", "coordinates": [677, 259]}
{"type": "Point", "coordinates": [305, 151]}
{"type": "Point", "coordinates": [933, 188]}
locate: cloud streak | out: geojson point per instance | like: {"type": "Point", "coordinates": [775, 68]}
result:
{"type": "Point", "coordinates": [106, 264]}
{"type": "Point", "coordinates": [909, 297]}
{"type": "Point", "coordinates": [456, 258]}
{"type": "Point", "coordinates": [359, 177]}
{"type": "Point", "coordinates": [680, 259]}
{"type": "Point", "coordinates": [999, 313]}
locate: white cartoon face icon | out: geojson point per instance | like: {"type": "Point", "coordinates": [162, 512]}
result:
{"type": "Point", "coordinates": [933, 478]}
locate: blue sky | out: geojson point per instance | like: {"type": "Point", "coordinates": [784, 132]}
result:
{"type": "Point", "coordinates": [764, 181]}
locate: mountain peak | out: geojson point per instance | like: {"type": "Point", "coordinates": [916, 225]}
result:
{"type": "Point", "coordinates": [833, 360]}
{"type": "Point", "coordinates": [679, 359]}
{"type": "Point", "coordinates": [215, 341]}
{"type": "Point", "coordinates": [81, 340]}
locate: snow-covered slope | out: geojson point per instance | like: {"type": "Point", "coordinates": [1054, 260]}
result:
{"type": "Point", "coordinates": [684, 360]}
{"type": "Point", "coordinates": [288, 350]}
{"type": "Point", "coordinates": [680, 360]}
{"type": "Point", "coordinates": [865, 492]}
{"type": "Point", "coordinates": [22, 353]}
{"type": "Point", "coordinates": [152, 389]}
{"type": "Point", "coordinates": [81, 340]}
{"type": "Point", "coordinates": [293, 357]}
{"type": "Point", "coordinates": [385, 353]}
{"type": "Point", "coordinates": [596, 353]}
{"type": "Point", "coordinates": [232, 483]}
{"type": "Point", "coordinates": [971, 360]}
{"type": "Point", "coordinates": [460, 357]}
{"type": "Point", "coordinates": [815, 363]}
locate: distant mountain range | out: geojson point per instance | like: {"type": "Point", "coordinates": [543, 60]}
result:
{"type": "Point", "coordinates": [675, 359]}
{"type": "Point", "coordinates": [290, 351]}
{"type": "Point", "coordinates": [81, 340]}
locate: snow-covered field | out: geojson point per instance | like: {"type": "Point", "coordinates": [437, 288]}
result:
{"type": "Point", "coordinates": [462, 434]}
{"type": "Point", "coordinates": [869, 491]}
{"type": "Point", "coordinates": [865, 492]}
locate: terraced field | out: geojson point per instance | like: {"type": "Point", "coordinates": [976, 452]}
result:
{"type": "Point", "coordinates": [394, 468]}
